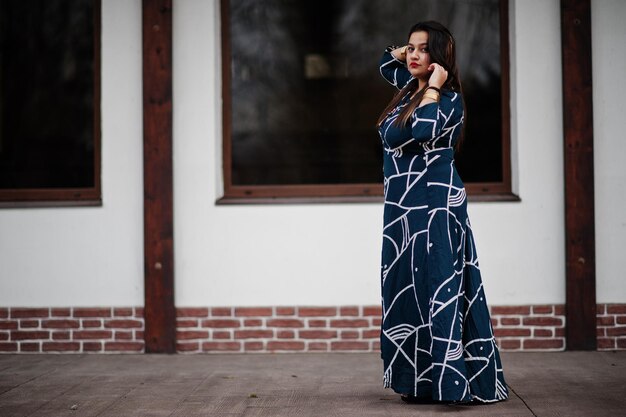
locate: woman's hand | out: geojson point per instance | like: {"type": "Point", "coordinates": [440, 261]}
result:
{"type": "Point", "coordinates": [438, 77]}
{"type": "Point", "coordinates": [399, 53]}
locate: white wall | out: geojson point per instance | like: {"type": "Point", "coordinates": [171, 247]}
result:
{"type": "Point", "coordinates": [609, 90]}
{"type": "Point", "coordinates": [90, 256]}
{"type": "Point", "coordinates": [329, 253]}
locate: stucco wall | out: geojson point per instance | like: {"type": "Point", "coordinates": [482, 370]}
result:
{"type": "Point", "coordinates": [93, 255]}
{"type": "Point", "coordinates": [321, 254]}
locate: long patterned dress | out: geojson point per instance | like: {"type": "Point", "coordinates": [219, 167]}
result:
{"type": "Point", "coordinates": [437, 341]}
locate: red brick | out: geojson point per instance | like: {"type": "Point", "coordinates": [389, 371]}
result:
{"type": "Point", "coordinates": [253, 311]}
{"type": "Point", "coordinates": [28, 313]}
{"type": "Point", "coordinates": [192, 334]}
{"type": "Point", "coordinates": [292, 323]}
{"type": "Point", "coordinates": [123, 335]}
{"type": "Point", "coordinates": [91, 323]}
{"type": "Point", "coordinates": [252, 323]}
{"type": "Point", "coordinates": [318, 346]}
{"type": "Point", "coordinates": [123, 346]}
{"type": "Point", "coordinates": [494, 322]}
{"type": "Point", "coordinates": [30, 335]}
{"type": "Point", "coordinates": [606, 343]}
{"type": "Point", "coordinates": [221, 346]}
{"type": "Point", "coordinates": [187, 346]}
{"type": "Point", "coordinates": [352, 345]}
{"type": "Point", "coordinates": [559, 310]}
{"type": "Point", "coordinates": [92, 346]}
{"type": "Point", "coordinates": [60, 335]}
{"type": "Point", "coordinates": [285, 334]}
{"type": "Point", "coordinates": [122, 312]}
{"type": "Point", "coordinates": [616, 331]}
{"type": "Point", "coordinates": [8, 325]}
{"type": "Point", "coordinates": [317, 311]}
{"type": "Point", "coordinates": [4, 313]}
{"type": "Point", "coordinates": [544, 344]}
{"type": "Point", "coordinates": [620, 319]}
{"type": "Point", "coordinates": [610, 309]}
{"type": "Point", "coordinates": [139, 334]}
{"type": "Point", "coordinates": [192, 312]}
{"type": "Point", "coordinates": [542, 309]}
{"type": "Point", "coordinates": [510, 310]}
{"type": "Point", "coordinates": [511, 332]}
{"type": "Point", "coordinates": [601, 331]}
{"type": "Point", "coordinates": [376, 346]}
{"type": "Point", "coordinates": [317, 334]}
{"type": "Point", "coordinates": [139, 312]}
{"type": "Point", "coordinates": [509, 344]}
{"type": "Point", "coordinates": [8, 347]}
{"type": "Point", "coordinates": [377, 321]}
{"type": "Point", "coordinates": [371, 334]}
{"type": "Point", "coordinates": [186, 323]}
{"type": "Point", "coordinates": [92, 334]}
{"type": "Point", "coordinates": [281, 345]}
{"type": "Point", "coordinates": [559, 332]}
{"type": "Point", "coordinates": [373, 311]}
{"type": "Point", "coordinates": [253, 346]}
{"type": "Point", "coordinates": [543, 333]}
{"type": "Point", "coordinates": [253, 334]}
{"type": "Point", "coordinates": [349, 323]}
{"type": "Point", "coordinates": [220, 323]}
{"type": "Point", "coordinates": [92, 312]}
{"type": "Point", "coordinates": [318, 323]}
{"type": "Point", "coordinates": [123, 324]}
{"type": "Point", "coordinates": [285, 311]}
{"type": "Point", "coordinates": [349, 334]}
{"type": "Point", "coordinates": [542, 321]}
{"type": "Point", "coordinates": [60, 346]}
{"type": "Point", "coordinates": [605, 320]}
{"type": "Point", "coordinates": [29, 347]}
{"type": "Point", "coordinates": [60, 312]}
{"type": "Point", "coordinates": [221, 312]}
{"type": "Point", "coordinates": [4, 335]}
{"type": "Point", "coordinates": [349, 311]}
{"type": "Point", "coordinates": [601, 309]}
{"type": "Point", "coordinates": [60, 324]}
{"type": "Point", "coordinates": [221, 335]}
{"type": "Point", "coordinates": [621, 343]}
{"type": "Point", "coordinates": [510, 321]}
{"type": "Point", "coordinates": [29, 324]}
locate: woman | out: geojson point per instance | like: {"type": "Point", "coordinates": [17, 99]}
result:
{"type": "Point", "coordinates": [437, 342]}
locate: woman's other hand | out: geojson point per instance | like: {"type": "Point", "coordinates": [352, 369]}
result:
{"type": "Point", "coordinates": [438, 77]}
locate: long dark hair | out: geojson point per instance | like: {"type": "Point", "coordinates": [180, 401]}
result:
{"type": "Point", "coordinates": [442, 51]}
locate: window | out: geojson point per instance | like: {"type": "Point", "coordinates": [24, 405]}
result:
{"type": "Point", "coordinates": [302, 93]}
{"type": "Point", "coordinates": [49, 102]}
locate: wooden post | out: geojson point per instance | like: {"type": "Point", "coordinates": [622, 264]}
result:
{"type": "Point", "coordinates": [578, 164]}
{"type": "Point", "coordinates": [160, 312]}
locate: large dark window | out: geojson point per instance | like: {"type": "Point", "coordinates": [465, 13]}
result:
{"type": "Point", "coordinates": [302, 93]}
{"type": "Point", "coordinates": [49, 101]}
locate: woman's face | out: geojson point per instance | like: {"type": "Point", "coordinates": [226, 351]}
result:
{"type": "Point", "coordinates": [417, 56]}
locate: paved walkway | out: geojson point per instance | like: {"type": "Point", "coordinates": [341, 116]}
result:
{"type": "Point", "coordinates": [590, 384]}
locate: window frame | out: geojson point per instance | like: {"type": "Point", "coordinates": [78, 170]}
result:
{"type": "Point", "coordinates": [61, 197]}
{"type": "Point", "coordinates": [364, 192]}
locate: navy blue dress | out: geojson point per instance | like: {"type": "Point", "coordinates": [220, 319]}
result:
{"type": "Point", "coordinates": [437, 341]}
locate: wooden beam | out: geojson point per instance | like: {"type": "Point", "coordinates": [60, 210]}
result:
{"type": "Point", "coordinates": [578, 165]}
{"type": "Point", "coordinates": [160, 312]}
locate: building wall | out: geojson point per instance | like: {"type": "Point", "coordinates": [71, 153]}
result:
{"type": "Point", "coordinates": [90, 256]}
{"type": "Point", "coordinates": [609, 62]}
{"type": "Point", "coordinates": [301, 257]}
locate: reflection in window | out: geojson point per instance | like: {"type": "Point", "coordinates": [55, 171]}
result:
{"type": "Point", "coordinates": [306, 92]}
{"type": "Point", "coordinates": [47, 94]}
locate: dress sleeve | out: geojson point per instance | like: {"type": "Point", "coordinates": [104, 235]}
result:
{"type": "Point", "coordinates": [393, 70]}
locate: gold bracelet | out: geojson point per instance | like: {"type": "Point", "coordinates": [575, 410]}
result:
{"type": "Point", "coordinates": [431, 95]}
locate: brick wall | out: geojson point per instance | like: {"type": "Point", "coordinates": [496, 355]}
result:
{"type": "Point", "coordinates": [273, 329]}
{"type": "Point", "coordinates": [66, 330]}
